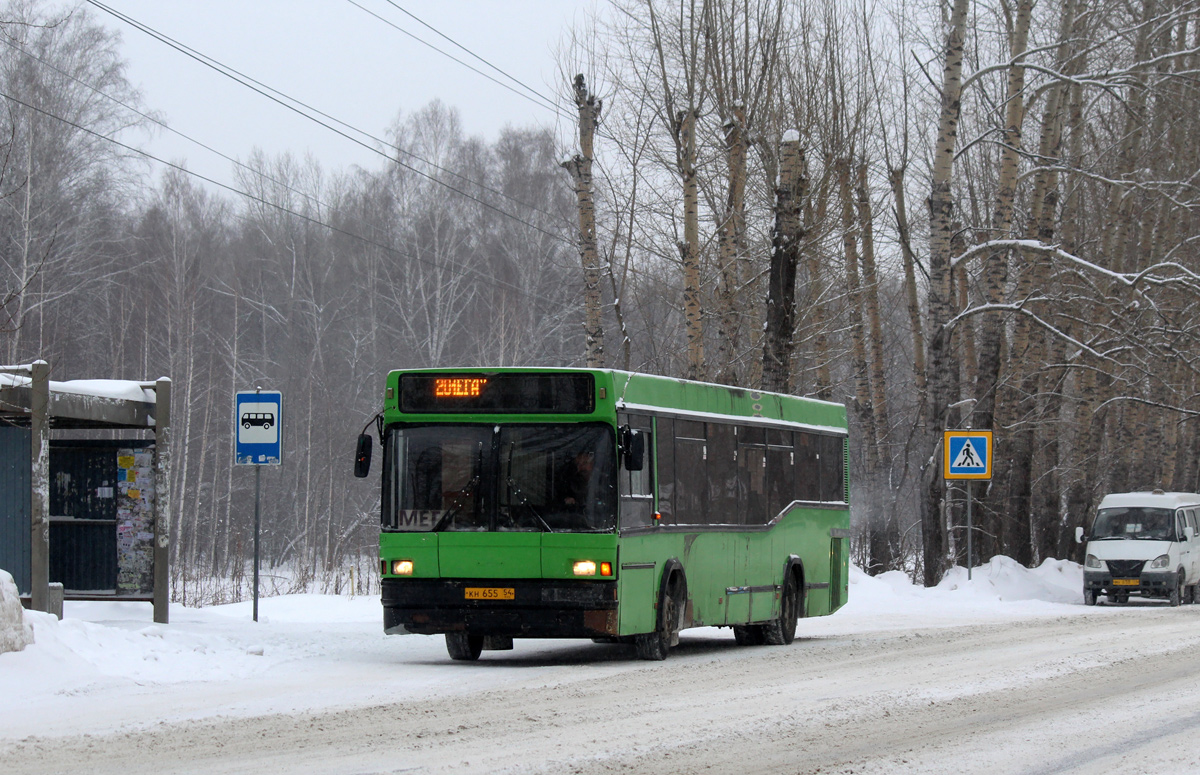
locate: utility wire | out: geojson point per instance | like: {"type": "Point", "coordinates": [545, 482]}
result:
{"type": "Point", "coordinates": [309, 219]}
{"type": "Point", "coordinates": [285, 101]}
{"type": "Point", "coordinates": [159, 122]}
{"type": "Point", "coordinates": [549, 103]}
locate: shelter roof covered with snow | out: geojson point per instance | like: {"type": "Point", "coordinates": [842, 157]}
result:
{"type": "Point", "coordinates": [81, 404]}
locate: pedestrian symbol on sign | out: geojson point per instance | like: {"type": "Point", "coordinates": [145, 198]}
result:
{"type": "Point", "coordinates": [968, 457]}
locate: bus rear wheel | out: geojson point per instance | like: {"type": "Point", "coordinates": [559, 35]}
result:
{"type": "Point", "coordinates": [748, 634]}
{"type": "Point", "coordinates": [782, 631]}
{"type": "Point", "coordinates": [464, 647]}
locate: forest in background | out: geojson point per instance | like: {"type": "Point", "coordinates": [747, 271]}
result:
{"type": "Point", "coordinates": [944, 214]}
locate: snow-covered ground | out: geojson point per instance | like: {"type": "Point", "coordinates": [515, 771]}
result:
{"type": "Point", "coordinates": [106, 670]}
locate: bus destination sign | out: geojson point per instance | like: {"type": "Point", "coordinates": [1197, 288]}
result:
{"type": "Point", "coordinates": [498, 393]}
{"type": "Point", "coordinates": [458, 387]}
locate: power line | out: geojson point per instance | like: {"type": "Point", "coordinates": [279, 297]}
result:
{"type": "Point", "coordinates": [545, 102]}
{"type": "Point", "coordinates": [287, 211]}
{"type": "Point", "coordinates": [284, 100]}
{"type": "Point", "coordinates": [551, 103]}
{"type": "Point", "coordinates": [162, 123]}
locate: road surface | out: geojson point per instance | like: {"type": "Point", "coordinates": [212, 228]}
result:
{"type": "Point", "coordinates": [1115, 693]}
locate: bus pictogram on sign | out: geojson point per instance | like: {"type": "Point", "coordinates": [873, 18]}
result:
{"type": "Point", "coordinates": [257, 438]}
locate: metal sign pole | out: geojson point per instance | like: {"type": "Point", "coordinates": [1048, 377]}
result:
{"type": "Point", "coordinates": [257, 490]}
{"type": "Point", "coordinates": [258, 442]}
{"type": "Point", "coordinates": [968, 456]}
{"type": "Point", "coordinates": [969, 530]}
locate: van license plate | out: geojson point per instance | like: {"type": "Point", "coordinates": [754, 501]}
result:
{"type": "Point", "coordinates": [490, 593]}
{"type": "Point", "coordinates": [1125, 582]}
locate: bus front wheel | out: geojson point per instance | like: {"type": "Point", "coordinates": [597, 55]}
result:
{"type": "Point", "coordinates": [464, 647]}
{"type": "Point", "coordinates": [655, 645]}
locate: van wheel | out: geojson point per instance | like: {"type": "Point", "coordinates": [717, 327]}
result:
{"type": "Point", "coordinates": [1089, 597]}
{"type": "Point", "coordinates": [1177, 592]}
{"type": "Point", "coordinates": [464, 647]}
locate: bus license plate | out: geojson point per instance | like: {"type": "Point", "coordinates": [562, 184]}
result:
{"type": "Point", "coordinates": [1125, 582]}
{"type": "Point", "coordinates": [490, 593]}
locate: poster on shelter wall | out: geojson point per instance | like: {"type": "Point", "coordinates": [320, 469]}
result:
{"type": "Point", "coordinates": [135, 521]}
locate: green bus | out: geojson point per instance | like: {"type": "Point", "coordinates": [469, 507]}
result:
{"type": "Point", "coordinates": [592, 503]}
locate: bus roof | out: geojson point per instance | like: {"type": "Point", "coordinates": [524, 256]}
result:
{"type": "Point", "coordinates": [630, 391]}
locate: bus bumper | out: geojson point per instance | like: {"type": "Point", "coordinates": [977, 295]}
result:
{"type": "Point", "coordinates": [539, 608]}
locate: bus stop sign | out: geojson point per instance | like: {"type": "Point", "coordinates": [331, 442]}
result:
{"type": "Point", "coordinates": [968, 455]}
{"type": "Point", "coordinates": [258, 415]}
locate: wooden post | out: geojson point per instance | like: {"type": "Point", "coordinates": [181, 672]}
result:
{"type": "Point", "coordinates": [162, 499]}
{"type": "Point", "coordinates": [39, 503]}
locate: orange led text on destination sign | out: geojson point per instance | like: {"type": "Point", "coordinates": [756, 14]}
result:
{"type": "Point", "coordinates": [462, 387]}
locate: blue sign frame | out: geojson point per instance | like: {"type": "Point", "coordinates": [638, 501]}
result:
{"type": "Point", "coordinates": [258, 428]}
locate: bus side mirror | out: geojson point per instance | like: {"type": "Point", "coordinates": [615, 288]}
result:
{"type": "Point", "coordinates": [1078, 535]}
{"type": "Point", "coordinates": [633, 449]}
{"type": "Point", "coordinates": [362, 455]}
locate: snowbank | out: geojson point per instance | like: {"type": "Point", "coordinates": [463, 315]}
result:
{"type": "Point", "coordinates": [15, 634]}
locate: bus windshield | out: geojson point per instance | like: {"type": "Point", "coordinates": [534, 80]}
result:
{"type": "Point", "coordinates": [1135, 522]}
{"type": "Point", "coordinates": [528, 477]}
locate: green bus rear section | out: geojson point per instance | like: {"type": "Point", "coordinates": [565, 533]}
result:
{"type": "Point", "coordinates": [734, 575]}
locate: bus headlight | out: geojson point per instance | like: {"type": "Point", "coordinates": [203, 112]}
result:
{"type": "Point", "coordinates": [1092, 561]}
{"type": "Point", "coordinates": [1161, 561]}
{"type": "Point", "coordinates": [589, 567]}
{"type": "Point", "coordinates": [402, 567]}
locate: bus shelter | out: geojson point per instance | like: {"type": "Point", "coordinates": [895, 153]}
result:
{"type": "Point", "coordinates": [92, 514]}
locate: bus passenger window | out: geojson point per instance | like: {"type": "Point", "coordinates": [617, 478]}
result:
{"type": "Point", "coordinates": [665, 446]}
{"type": "Point", "coordinates": [833, 472]}
{"type": "Point", "coordinates": [722, 474]}
{"type": "Point", "coordinates": [637, 487]}
{"type": "Point", "coordinates": [808, 470]}
{"type": "Point", "coordinates": [780, 472]}
{"type": "Point", "coordinates": [691, 480]}
{"type": "Point", "coordinates": [752, 478]}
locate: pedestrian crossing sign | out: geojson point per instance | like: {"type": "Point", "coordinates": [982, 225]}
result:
{"type": "Point", "coordinates": [968, 455]}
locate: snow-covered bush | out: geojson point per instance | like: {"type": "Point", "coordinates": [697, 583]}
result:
{"type": "Point", "coordinates": [15, 633]}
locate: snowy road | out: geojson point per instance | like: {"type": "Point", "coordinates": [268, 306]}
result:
{"type": "Point", "coordinates": [1017, 687]}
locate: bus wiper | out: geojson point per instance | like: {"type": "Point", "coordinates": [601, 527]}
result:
{"type": "Point", "coordinates": [513, 488]}
{"type": "Point", "coordinates": [461, 496]}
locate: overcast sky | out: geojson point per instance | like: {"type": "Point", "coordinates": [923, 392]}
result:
{"type": "Point", "coordinates": [339, 59]}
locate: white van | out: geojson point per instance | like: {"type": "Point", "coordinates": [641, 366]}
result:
{"type": "Point", "coordinates": [1143, 543]}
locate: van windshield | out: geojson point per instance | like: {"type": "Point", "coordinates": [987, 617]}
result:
{"type": "Point", "coordinates": [1135, 522]}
